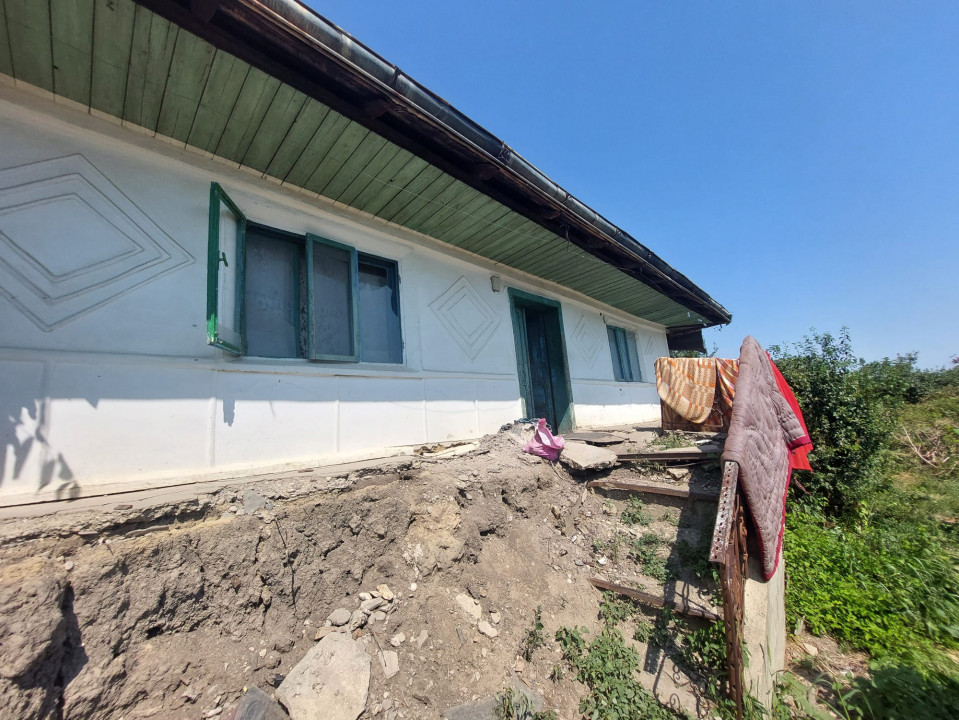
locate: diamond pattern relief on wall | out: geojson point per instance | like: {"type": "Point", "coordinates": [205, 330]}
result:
{"type": "Point", "coordinates": [586, 341]}
{"type": "Point", "coordinates": [71, 241]}
{"type": "Point", "coordinates": [467, 317]}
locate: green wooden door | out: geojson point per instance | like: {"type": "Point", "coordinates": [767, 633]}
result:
{"type": "Point", "coordinates": [541, 359]}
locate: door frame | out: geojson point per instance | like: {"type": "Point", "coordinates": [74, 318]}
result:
{"type": "Point", "coordinates": [518, 300]}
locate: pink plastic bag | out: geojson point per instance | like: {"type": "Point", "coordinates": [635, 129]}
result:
{"type": "Point", "coordinates": [544, 443]}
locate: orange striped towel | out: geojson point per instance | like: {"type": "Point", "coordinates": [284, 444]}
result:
{"type": "Point", "coordinates": [687, 385]}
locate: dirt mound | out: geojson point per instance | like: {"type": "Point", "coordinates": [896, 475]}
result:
{"type": "Point", "coordinates": [233, 592]}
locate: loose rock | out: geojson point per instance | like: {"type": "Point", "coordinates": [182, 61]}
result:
{"type": "Point", "coordinates": [580, 457]}
{"type": "Point", "coordinates": [469, 606]}
{"type": "Point", "coordinates": [330, 683]}
{"type": "Point", "coordinates": [487, 629]}
{"type": "Point", "coordinates": [389, 662]}
{"type": "Point", "coordinates": [340, 616]}
{"type": "Point", "coordinates": [257, 705]}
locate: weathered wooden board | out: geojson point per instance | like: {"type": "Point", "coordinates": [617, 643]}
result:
{"type": "Point", "coordinates": [71, 29]}
{"type": "Point", "coordinates": [28, 28]}
{"type": "Point", "coordinates": [112, 38]}
{"type": "Point", "coordinates": [595, 438]}
{"type": "Point", "coordinates": [653, 489]}
{"type": "Point", "coordinates": [277, 121]}
{"type": "Point", "coordinates": [189, 73]}
{"type": "Point", "coordinates": [227, 76]}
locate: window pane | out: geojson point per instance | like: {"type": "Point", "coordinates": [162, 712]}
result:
{"type": "Point", "coordinates": [379, 314]}
{"type": "Point", "coordinates": [332, 301]}
{"type": "Point", "coordinates": [622, 348]}
{"type": "Point", "coordinates": [272, 288]}
{"type": "Point", "coordinates": [614, 352]}
{"type": "Point", "coordinates": [637, 374]}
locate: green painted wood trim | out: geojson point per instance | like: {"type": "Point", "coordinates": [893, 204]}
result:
{"type": "Point", "coordinates": [353, 305]}
{"type": "Point", "coordinates": [71, 29]}
{"type": "Point", "coordinates": [6, 59]}
{"type": "Point", "coordinates": [112, 39]}
{"type": "Point", "coordinates": [28, 32]}
{"type": "Point", "coordinates": [217, 197]}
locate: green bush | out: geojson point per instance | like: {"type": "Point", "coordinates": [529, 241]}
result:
{"type": "Point", "coordinates": [850, 414]}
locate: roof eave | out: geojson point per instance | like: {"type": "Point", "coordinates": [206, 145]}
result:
{"type": "Point", "coordinates": [302, 49]}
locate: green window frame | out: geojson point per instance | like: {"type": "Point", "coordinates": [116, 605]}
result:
{"type": "Point", "coordinates": [224, 300]}
{"type": "Point", "coordinates": [622, 349]}
{"type": "Point", "coordinates": [226, 287]}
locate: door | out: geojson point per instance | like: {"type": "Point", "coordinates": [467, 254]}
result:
{"type": "Point", "coordinates": [541, 359]}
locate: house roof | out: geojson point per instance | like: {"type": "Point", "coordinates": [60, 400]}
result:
{"type": "Point", "coordinates": [271, 85]}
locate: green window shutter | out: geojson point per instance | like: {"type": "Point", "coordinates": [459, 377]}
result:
{"type": "Point", "coordinates": [331, 282]}
{"type": "Point", "coordinates": [224, 299]}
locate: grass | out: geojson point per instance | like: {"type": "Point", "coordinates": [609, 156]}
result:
{"type": "Point", "coordinates": [885, 581]}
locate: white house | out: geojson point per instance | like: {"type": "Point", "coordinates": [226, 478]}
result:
{"type": "Point", "coordinates": [234, 240]}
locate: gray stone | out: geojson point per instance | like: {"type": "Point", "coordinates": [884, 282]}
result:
{"type": "Point", "coordinates": [421, 639]}
{"type": "Point", "coordinates": [330, 683]}
{"type": "Point", "coordinates": [397, 639]}
{"type": "Point", "coordinates": [370, 605]}
{"type": "Point", "coordinates": [357, 620]}
{"type": "Point", "coordinates": [365, 596]}
{"type": "Point", "coordinates": [385, 592]}
{"type": "Point", "coordinates": [469, 606]}
{"type": "Point", "coordinates": [377, 616]}
{"type": "Point", "coordinates": [487, 629]}
{"type": "Point", "coordinates": [340, 616]}
{"type": "Point", "coordinates": [253, 502]}
{"type": "Point", "coordinates": [678, 473]}
{"type": "Point", "coordinates": [485, 708]}
{"type": "Point", "coordinates": [810, 649]}
{"type": "Point", "coordinates": [389, 662]}
{"type": "Point", "coordinates": [581, 457]}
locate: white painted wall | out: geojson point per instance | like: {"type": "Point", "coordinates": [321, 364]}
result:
{"type": "Point", "coordinates": [106, 380]}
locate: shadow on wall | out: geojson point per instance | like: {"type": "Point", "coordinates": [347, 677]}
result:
{"type": "Point", "coordinates": [22, 433]}
{"type": "Point", "coordinates": [149, 409]}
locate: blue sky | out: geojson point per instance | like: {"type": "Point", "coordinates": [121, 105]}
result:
{"type": "Point", "coordinates": [799, 161]}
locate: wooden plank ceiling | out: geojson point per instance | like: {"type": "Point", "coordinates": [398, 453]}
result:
{"type": "Point", "coordinates": [123, 60]}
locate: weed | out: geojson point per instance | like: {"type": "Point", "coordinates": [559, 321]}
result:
{"type": "Point", "coordinates": [662, 634]}
{"type": "Point", "coordinates": [635, 514]}
{"type": "Point", "coordinates": [643, 630]}
{"type": "Point", "coordinates": [643, 551]}
{"type": "Point", "coordinates": [607, 666]}
{"type": "Point", "coordinates": [610, 548]}
{"type": "Point", "coordinates": [556, 674]}
{"type": "Point", "coordinates": [656, 568]}
{"type": "Point", "coordinates": [534, 637]}
{"type": "Point", "coordinates": [615, 608]}
{"type": "Point", "coordinates": [512, 705]}
{"type": "Point", "coordinates": [695, 557]}
{"type": "Point", "coordinates": [704, 650]}
{"type": "Point", "coordinates": [669, 518]}
{"type": "Point", "coordinates": [670, 440]}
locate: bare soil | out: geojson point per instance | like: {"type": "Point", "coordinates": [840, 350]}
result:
{"type": "Point", "coordinates": [103, 617]}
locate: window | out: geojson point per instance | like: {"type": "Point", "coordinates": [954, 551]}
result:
{"type": "Point", "coordinates": [278, 294]}
{"type": "Point", "coordinates": [622, 346]}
